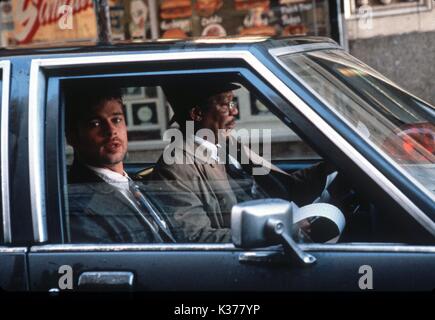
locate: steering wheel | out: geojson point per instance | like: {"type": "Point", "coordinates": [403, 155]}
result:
{"type": "Point", "coordinates": [340, 193]}
{"type": "Point", "coordinates": [330, 227]}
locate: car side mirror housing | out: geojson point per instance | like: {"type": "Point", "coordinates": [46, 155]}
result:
{"type": "Point", "coordinates": [266, 222]}
{"type": "Point", "coordinates": [249, 222]}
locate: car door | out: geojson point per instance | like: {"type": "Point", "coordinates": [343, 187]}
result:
{"type": "Point", "coordinates": [55, 264]}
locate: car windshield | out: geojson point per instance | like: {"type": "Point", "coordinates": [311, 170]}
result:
{"type": "Point", "coordinates": [398, 125]}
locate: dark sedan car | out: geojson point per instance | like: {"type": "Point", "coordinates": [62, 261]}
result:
{"type": "Point", "coordinates": [306, 98]}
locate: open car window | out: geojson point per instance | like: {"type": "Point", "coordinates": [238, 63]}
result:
{"type": "Point", "coordinates": [100, 210]}
{"type": "Point", "coordinates": [178, 184]}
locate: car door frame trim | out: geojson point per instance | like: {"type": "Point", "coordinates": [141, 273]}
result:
{"type": "Point", "coordinates": [13, 250]}
{"type": "Point", "coordinates": [303, 48]}
{"type": "Point", "coordinates": [5, 66]}
{"type": "Point", "coordinates": [316, 247]}
{"type": "Point", "coordinates": [36, 112]}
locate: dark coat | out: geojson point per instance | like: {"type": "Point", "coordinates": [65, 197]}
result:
{"type": "Point", "coordinates": [99, 213]}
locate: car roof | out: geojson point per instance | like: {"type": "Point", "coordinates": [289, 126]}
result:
{"type": "Point", "coordinates": [223, 43]}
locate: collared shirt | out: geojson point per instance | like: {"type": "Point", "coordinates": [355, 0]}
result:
{"type": "Point", "coordinates": [115, 179]}
{"type": "Point", "coordinates": [213, 151]}
{"type": "Point", "coordinates": [119, 181]}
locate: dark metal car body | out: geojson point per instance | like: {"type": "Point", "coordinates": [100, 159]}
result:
{"type": "Point", "coordinates": [33, 180]}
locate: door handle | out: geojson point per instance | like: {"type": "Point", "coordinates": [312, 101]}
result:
{"type": "Point", "coordinates": [106, 281]}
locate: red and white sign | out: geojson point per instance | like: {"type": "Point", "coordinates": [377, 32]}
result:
{"type": "Point", "coordinates": [45, 20]}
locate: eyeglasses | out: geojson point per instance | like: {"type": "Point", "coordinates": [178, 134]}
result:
{"type": "Point", "coordinates": [225, 106]}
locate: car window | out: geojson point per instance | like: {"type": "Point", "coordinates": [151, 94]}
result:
{"type": "Point", "coordinates": [139, 172]}
{"type": "Point", "coordinates": [191, 205]}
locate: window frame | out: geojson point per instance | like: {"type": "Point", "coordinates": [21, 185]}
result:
{"type": "Point", "coordinates": [5, 215]}
{"type": "Point", "coordinates": [38, 86]}
{"type": "Point", "coordinates": [55, 155]}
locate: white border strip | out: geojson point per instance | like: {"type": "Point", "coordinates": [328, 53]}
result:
{"type": "Point", "coordinates": [36, 146]}
{"type": "Point", "coordinates": [4, 140]}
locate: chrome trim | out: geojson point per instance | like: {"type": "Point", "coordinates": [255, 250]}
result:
{"type": "Point", "coordinates": [264, 257]}
{"type": "Point", "coordinates": [303, 48]}
{"type": "Point", "coordinates": [36, 154]}
{"type": "Point", "coordinates": [5, 66]}
{"type": "Point", "coordinates": [131, 247]}
{"type": "Point", "coordinates": [380, 151]}
{"type": "Point", "coordinates": [53, 63]}
{"type": "Point", "coordinates": [106, 278]}
{"type": "Point", "coordinates": [349, 247]}
{"type": "Point", "coordinates": [367, 247]}
{"type": "Point", "coordinates": [36, 151]}
{"type": "Point", "coordinates": [13, 250]}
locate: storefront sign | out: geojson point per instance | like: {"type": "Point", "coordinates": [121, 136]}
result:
{"type": "Point", "coordinates": [39, 20]}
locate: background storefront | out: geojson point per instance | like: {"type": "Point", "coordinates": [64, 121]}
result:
{"type": "Point", "coordinates": [151, 19]}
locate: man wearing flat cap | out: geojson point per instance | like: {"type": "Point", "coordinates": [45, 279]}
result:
{"type": "Point", "coordinates": [198, 190]}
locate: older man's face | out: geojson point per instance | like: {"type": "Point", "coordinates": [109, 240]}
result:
{"type": "Point", "coordinates": [221, 114]}
{"type": "Point", "coordinates": [101, 138]}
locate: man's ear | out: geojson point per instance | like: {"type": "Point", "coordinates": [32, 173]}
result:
{"type": "Point", "coordinates": [195, 114]}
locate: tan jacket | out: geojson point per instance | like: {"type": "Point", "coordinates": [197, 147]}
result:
{"type": "Point", "coordinates": [198, 195]}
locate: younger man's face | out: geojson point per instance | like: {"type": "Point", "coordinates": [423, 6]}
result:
{"type": "Point", "coordinates": [101, 137]}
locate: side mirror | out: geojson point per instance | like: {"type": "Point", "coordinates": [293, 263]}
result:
{"type": "Point", "coordinates": [266, 222]}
